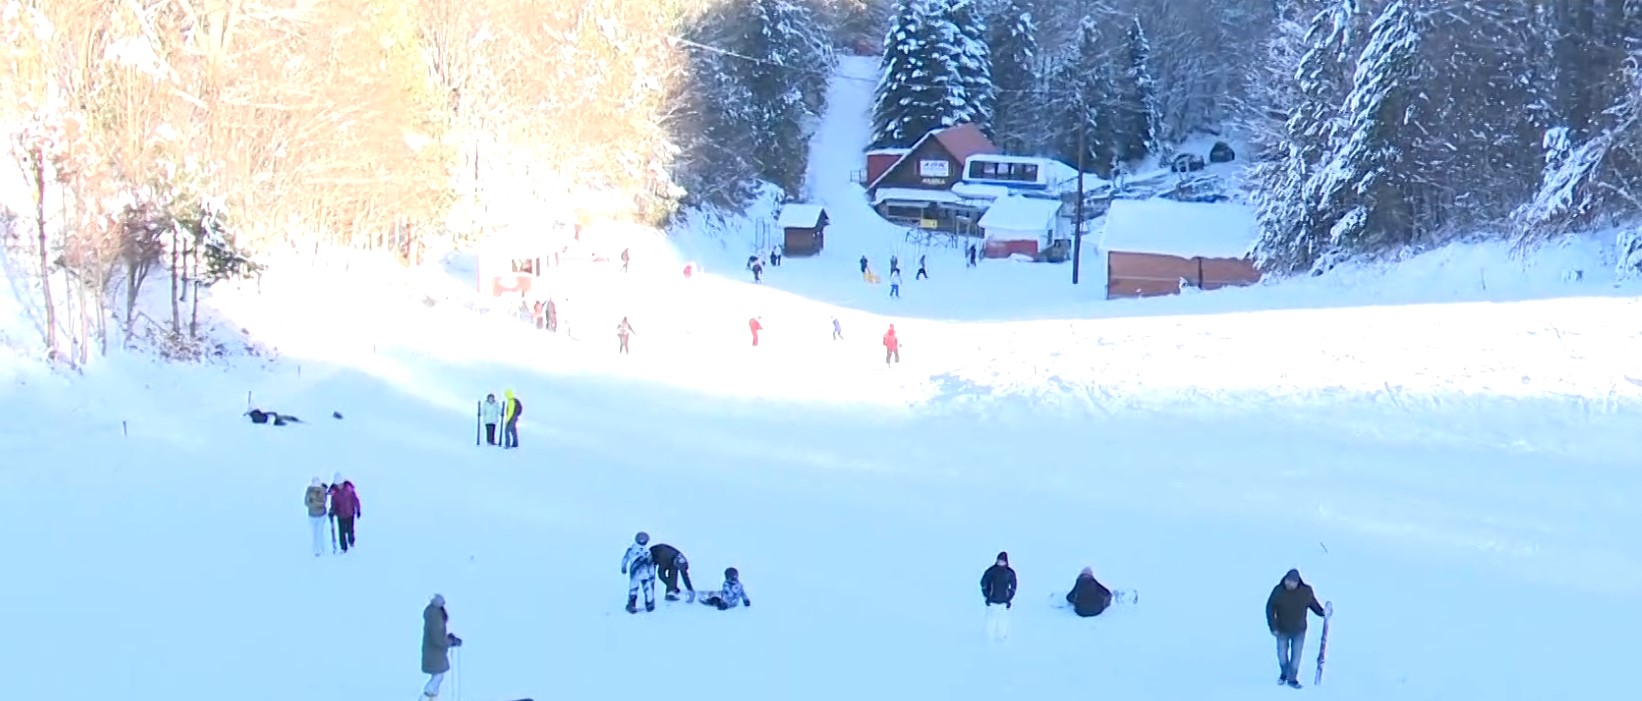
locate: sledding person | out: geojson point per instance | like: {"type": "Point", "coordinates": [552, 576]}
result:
{"type": "Point", "coordinates": [1286, 617]}
{"type": "Point", "coordinates": [345, 509]}
{"type": "Point", "coordinates": [512, 409]}
{"type": "Point", "coordinates": [731, 595]}
{"type": "Point", "coordinates": [892, 346]}
{"type": "Point", "coordinates": [755, 327]}
{"type": "Point", "coordinates": [671, 564]}
{"type": "Point", "coordinates": [998, 587]}
{"type": "Point", "coordinates": [490, 412]}
{"type": "Point", "coordinates": [314, 499]}
{"type": "Point", "coordinates": [436, 644]}
{"type": "Point", "coordinates": [1088, 596]}
{"type": "Point", "coordinates": [624, 330]}
{"type": "Point", "coordinates": [641, 573]}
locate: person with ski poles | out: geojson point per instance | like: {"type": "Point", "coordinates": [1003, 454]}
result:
{"type": "Point", "coordinates": [437, 641]}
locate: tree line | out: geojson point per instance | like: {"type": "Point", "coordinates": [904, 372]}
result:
{"type": "Point", "coordinates": [1374, 125]}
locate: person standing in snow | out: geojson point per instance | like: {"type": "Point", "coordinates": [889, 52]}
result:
{"type": "Point", "coordinates": [892, 346]}
{"type": "Point", "coordinates": [1088, 596]}
{"type": "Point", "coordinates": [894, 264]}
{"type": "Point", "coordinates": [641, 573]}
{"type": "Point", "coordinates": [671, 564]}
{"type": "Point", "coordinates": [837, 330]}
{"type": "Point", "coordinates": [624, 330]}
{"type": "Point", "coordinates": [998, 587]}
{"type": "Point", "coordinates": [1286, 617]}
{"type": "Point", "coordinates": [971, 252]}
{"type": "Point", "coordinates": [775, 256]}
{"type": "Point", "coordinates": [314, 499]}
{"type": "Point", "coordinates": [437, 641]}
{"type": "Point", "coordinates": [624, 260]}
{"type": "Point", "coordinates": [512, 409]}
{"type": "Point", "coordinates": [490, 412]}
{"type": "Point", "coordinates": [731, 595]}
{"type": "Point", "coordinates": [758, 271]}
{"type": "Point", "coordinates": [864, 265]}
{"type": "Point", "coordinates": [552, 316]}
{"type": "Point", "coordinates": [895, 283]}
{"type": "Point", "coordinates": [923, 271]}
{"type": "Point", "coordinates": [755, 327]}
{"type": "Point", "coordinates": [345, 509]}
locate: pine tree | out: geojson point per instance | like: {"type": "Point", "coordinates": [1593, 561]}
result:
{"type": "Point", "coordinates": [974, 64]}
{"type": "Point", "coordinates": [1084, 89]}
{"type": "Point", "coordinates": [786, 41]}
{"type": "Point", "coordinates": [1369, 180]}
{"type": "Point", "coordinates": [921, 88]}
{"type": "Point", "coordinates": [1135, 104]}
{"type": "Point", "coordinates": [1013, 40]}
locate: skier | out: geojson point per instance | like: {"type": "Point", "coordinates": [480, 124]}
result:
{"type": "Point", "coordinates": [641, 573]}
{"type": "Point", "coordinates": [894, 265]}
{"type": "Point", "coordinates": [436, 644]}
{"type": "Point", "coordinates": [671, 565]}
{"type": "Point", "coordinates": [314, 499]}
{"type": "Point", "coordinates": [1088, 596]}
{"type": "Point", "coordinates": [623, 331]}
{"type": "Point", "coordinates": [491, 413]}
{"type": "Point", "coordinates": [892, 346]}
{"type": "Point", "coordinates": [753, 325]}
{"type": "Point", "coordinates": [758, 271]}
{"type": "Point", "coordinates": [1286, 617]}
{"type": "Point", "coordinates": [731, 595]}
{"type": "Point", "coordinates": [895, 283]}
{"type": "Point", "coordinates": [512, 409]}
{"type": "Point", "coordinates": [998, 587]}
{"type": "Point", "coordinates": [923, 271]}
{"type": "Point", "coordinates": [837, 330]}
{"type": "Point", "coordinates": [345, 509]}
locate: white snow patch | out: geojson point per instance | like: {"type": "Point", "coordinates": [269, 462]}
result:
{"type": "Point", "coordinates": [800, 216]}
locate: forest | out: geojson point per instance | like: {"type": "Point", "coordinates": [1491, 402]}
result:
{"type": "Point", "coordinates": [178, 142]}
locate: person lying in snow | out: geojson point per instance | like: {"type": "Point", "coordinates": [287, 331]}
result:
{"type": "Point", "coordinates": [1088, 596]}
{"type": "Point", "coordinates": [729, 597]}
{"type": "Point", "coordinates": [259, 417]}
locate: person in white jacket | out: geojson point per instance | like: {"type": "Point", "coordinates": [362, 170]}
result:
{"type": "Point", "coordinates": [491, 414]}
{"type": "Point", "coordinates": [314, 499]}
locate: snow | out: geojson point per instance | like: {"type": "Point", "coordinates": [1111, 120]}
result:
{"type": "Point", "coordinates": [885, 194]}
{"type": "Point", "coordinates": [1020, 218]}
{"type": "Point", "coordinates": [1444, 446]}
{"type": "Point", "coordinates": [1184, 229]}
{"type": "Point", "coordinates": [976, 191]}
{"type": "Point", "coordinates": [800, 216]}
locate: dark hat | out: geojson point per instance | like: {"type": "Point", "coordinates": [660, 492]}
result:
{"type": "Point", "coordinates": [1294, 575]}
{"type": "Point", "coordinates": [1003, 557]}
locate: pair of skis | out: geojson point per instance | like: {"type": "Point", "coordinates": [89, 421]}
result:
{"type": "Point", "coordinates": [1322, 645]}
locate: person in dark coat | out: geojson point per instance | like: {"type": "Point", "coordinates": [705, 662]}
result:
{"type": "Point", "coordinates": [1286, 617]}
{"type": "Point", "coordinates": [998, 588]}
{"type": "Point", "coordinates": [1088, 596]}
{"type": "Point", "coordinates": [344, 509]}
{"type": "Point", "coordinates": [670, 565]}
{"type": "Point", "coordinates": [436, 644]}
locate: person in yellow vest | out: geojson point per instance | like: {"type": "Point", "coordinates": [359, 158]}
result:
{"type": "Point", "coordinates": [511, 409]}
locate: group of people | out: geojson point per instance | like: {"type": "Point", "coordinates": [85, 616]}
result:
{"type": "Point", "coordinates": [338, 502]}
{"type": "Point", "coordinates": [1286, 609]}
{"type": "Point", "coordinates": [504, 414]}
{"type": "Point", "coordinates": [755, 263]}
{"type": "Point", "coordinates": [643, 562]}
{"type": "Point", "coordinates": [895, 272]}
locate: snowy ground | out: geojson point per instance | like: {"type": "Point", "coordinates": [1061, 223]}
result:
{"type": "Point", "coordinates": [1446, 449]}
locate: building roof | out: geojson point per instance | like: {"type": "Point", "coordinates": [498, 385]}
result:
{"type": "Point", "coordinates": [888, 152]}
{"type": "Point", "coordinates": [1182, 229]}
{"type": "Point", "coordinates": [960, 141]}
{"type": "Point", "coordinates": [1016, 216]}
{"type": "Point", "coordinates": [800, 216]}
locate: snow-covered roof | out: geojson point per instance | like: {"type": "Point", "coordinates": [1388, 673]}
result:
{"type": "Point", "coordinates": [800, 216]}
{"type": "Point", "coordinates": [1184, 229]}
{"type": "Point", "coordinates": [889, 152]}
{"type": "Point", "coordinates": [979, 191]}
{"type": "Point", "coordinates": [914, 195]}
{"type": "Point", "coordinates": [1051, 172]}
{"type": "Point", "coordinates": [1020, 214]}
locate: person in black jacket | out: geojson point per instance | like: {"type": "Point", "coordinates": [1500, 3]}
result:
{"type": "Point", "coordinates": [1088, 596]}
{"type": "Point", "coordinates": [998, 586]}
{"type": "Point", "coordinates": [1286, 617]}
{"type": "Point", "coordinates": [670, 565]}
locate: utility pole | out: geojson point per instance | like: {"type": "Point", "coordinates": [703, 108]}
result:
{"type": "Point", "coordinates": [1077, 230]}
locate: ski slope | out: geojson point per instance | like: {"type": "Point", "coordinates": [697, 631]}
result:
{"type": "Point", "coordinates": [1452, 464]}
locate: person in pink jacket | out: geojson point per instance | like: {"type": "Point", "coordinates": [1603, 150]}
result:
{"type": "Point", "coordinates": [345, 509]}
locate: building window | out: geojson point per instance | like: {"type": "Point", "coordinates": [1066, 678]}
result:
{"type": "Point", "coordinates": [1013, 172]}
{"type": "Point", "coordinates": [934, 168]}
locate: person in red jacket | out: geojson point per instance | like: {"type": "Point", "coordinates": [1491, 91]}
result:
{"type": "Point", "coordinates": [755, 327]}
{"type": "Point", "coordinates": [345, 509]}
{"type": "Point", "coordinates": [892, 346]}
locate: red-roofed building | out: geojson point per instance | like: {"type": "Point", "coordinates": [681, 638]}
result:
{"type": "Point", "coordinates": [916, 189]}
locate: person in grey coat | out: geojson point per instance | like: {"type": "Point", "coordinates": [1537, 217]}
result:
{"type": "Point", "coordinates": [436, 644]}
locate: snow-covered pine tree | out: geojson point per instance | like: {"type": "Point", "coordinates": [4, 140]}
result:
{"type": "Point", "coordinates": [784, 51]}
{"type": "Point", "coordinates": [1369, 180]}
{"type": "Point", "coordinates": [1083, 89]}
{"type": "Point", "coordinates": [974, 63]}
{"type": "Point", "coordinates": [1013, 40]}
{"type": "Point", "coordinates": [921, 88]}
{"type": "Point", "coordinates": [1135, 115]}
{"type": "Point", "coordinates": [1293, 230]}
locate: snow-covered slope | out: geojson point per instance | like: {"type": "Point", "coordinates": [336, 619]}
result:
{"type": "Point", "coordinates": [1453, 466]}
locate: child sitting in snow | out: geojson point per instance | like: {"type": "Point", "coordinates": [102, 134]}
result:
{"type": "Point", "coordinates": [731, 596]}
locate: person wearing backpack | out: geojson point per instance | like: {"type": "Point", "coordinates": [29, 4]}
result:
{"type": "Point", "coordinates": [314, 499]}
